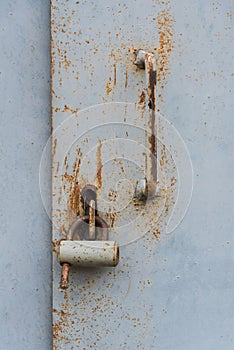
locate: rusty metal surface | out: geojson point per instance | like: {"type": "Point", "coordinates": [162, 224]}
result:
{"type": "Point", "coordinates": [167, 290]}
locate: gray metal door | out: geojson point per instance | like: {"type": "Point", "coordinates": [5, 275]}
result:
{"type": "Point", "coordinates": [105, 123]}
{"type": "Point", "coordinates": [157, 145]}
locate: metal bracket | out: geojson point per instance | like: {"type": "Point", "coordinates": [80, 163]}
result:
{"type": "Point", "coordinates": [146, 187]}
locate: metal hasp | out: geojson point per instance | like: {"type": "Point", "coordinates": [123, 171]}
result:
{"type": "Point", "coordinates": [146, 188]}
{"type": "Point", "coordinates": [87, 241]}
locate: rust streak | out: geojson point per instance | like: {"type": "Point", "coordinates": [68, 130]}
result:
{"type": "Point", "coordinates": [92, 220]}
{"type": "Point", "coordinates": [108, 87]}
{"type": "Point", "coordinates": [73, 202]}
{"type": "Point", "coordinates": [54, 147]}
{"type": "Point", "coordinates": [114, 74]}
{"type": "Point", "coordinates": [126, 79]}
{"type": "Point", "coordinates": [165, 27]}
{"type": "Point", "coordinates": [142, 99]}
{"type": "Point", "coordinates": [113, 216]}
{"type": "Point", "coordinates": [152, 81]}
{"type": "Point", "coordinates": [163, 156]}
{"type": "Point", "coordinates": [74, 198]}
{"type": "Point", "coordinates": [99, 165]}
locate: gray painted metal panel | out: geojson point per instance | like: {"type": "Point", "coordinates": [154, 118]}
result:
{"type": "Point", "coordinates": [176, 293]}
{"type": "Point", "coordinates": [189, 303]}
{"type": "Point", "coordinates": [25, 281]}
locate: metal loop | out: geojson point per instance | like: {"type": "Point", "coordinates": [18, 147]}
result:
{"type": "Point", "coordinates": [79, 226]}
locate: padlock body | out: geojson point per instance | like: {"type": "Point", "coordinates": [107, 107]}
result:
{"type": "Point", "coordinates": [89, 253]}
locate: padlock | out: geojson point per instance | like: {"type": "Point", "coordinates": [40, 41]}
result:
{"type": "Point", "coordinates": [87, 248]}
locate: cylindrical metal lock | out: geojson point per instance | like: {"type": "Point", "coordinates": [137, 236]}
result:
{"type": "Point", "coordinates": [89, 253]}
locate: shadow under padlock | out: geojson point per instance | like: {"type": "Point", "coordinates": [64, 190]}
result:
{"type": "Point", "coordinates": [87, 243]}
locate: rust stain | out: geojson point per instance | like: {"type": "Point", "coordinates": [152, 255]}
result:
{"type": "Point", "coordinates": [142, 100]}
{"type": "Point", "coordinates": [54, 147]}
{"type": "Point", "coordinates": [62, 323]}
{"type": "Point", "coordinates": [56, 242]}
{"type": "Point", "coordinates": [173, 181]}
{"type": "Point", "coordinates": [65, 61]}
{"type": "Point", "coordinates": [163, 159]}
{"type": "Point", "coordinates": [99, 165]}
{"type": "Point", "coordinates": [118, 161]}
{"type": "Point", "coordinates": [56, 109]}
{"type": "Point", "coordinates": [114, 74]}
{"type": "Point", "coordinates": [67, 108]}
{"type": "Point", "coordinates": [74, 198]}
{"type": "Point", "coordinates": [103, 304]}
{"type": "Point", "coordinates": [165, 23]}
{"type": "Point", "coordinates": [126, 79]}
{"type": "Point", "coordinates": [169, 199]}
{"type": "Point", "coordinates": [52, 55]}
{"type": "Point", "coordinates": [112, 195]}
{"type": "Point", "coordinates": [68, 178]}
{"type": "Point", "coordinates": [73, 202]}
{"type": "Point", "coordinates": [112, 218]}
{"type": "Point", "coordinates": [156, 234]}
{"type": "Point", "coordinates": [54, 246]}
{"type": "Point", "coordinates": [152, 81]}
{"type": "Point", "coordinates": [66, 163]}
{"type": "Point", "coordinates": [108, 87]}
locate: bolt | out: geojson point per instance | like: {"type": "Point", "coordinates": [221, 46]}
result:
{"type": "Point", "coordinates": [140, 59]}
{"type": "Point", "coordinates": [64, 276]}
